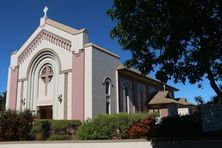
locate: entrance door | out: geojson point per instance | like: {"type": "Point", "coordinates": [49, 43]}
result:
{"type": "Point", "coordinates": [45, 112]}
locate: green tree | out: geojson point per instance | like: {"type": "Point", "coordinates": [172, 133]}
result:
{"type": "Point", "coordinates": [215, 99]}
{"type": "Point", "coordinates": [2, 101]}
{"type": "Point", "coordinates": [181, 38]}
{"type": "Point", "coordinates": [199, 100]}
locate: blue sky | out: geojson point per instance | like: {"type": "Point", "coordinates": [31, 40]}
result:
{"type": "Point", "coordinates": [20, 18]}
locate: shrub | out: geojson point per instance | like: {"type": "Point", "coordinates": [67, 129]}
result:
{"type": "Point", "coordinates": [90, 130]}
{"type": "Point", "coordinates": [60, 137]}
{"type": "Point", "coordinates": [41, 129]}
{"type": "Point", "coordinates": [114, 126]}
{"type": "Point", "coordinates": [64, 127]}
{"type": "Point", "coordinates": [141, 129]}
{"type": "Point", "coordinates": [55, 129]}
{"type": "Point", "coordinates": [179, 126]}
{"type": "Point", "coordinates": [15, 125]}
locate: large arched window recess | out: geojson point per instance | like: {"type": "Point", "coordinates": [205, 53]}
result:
{"type": "Point", "coordinates": [33, 71]}
{"type": "Point", "coordinates": [108, 84]}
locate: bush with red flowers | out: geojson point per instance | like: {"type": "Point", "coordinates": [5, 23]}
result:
{"type": "Point", "coordinates": [142, 129]}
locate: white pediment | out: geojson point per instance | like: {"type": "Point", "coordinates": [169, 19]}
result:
{"type": "Point", "coordinates": [52, 32]}
{"type": "Point", "coordinates": [43, 35]}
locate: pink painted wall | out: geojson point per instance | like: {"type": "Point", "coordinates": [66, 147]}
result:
{"type": "Point", "coordinates": [13, 88]}
{"type": "Point", "coordinates": [164, 112]}
{"type": "Point", "coordinates": [78, 85]}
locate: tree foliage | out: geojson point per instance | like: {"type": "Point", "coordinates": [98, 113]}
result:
{"type": "Point", "coordinates": [181, 38]}
{"type": "Point", "coordinates": [199, 100]}
{"type": "Point", "coordinates": [215, 99]}
{"type": "Point", "coordinates": [2, 101]}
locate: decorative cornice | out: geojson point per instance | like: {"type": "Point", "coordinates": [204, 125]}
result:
{"type": "Point", "coordinates": [44, 35]}
{"type": "Point", "coordinates": [65, 71]}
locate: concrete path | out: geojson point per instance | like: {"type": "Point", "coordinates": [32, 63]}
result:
{"type": "Point", "coordinates": [78, 144]}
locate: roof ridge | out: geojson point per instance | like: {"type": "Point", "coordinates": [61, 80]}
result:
{"type": "Point", "coordinates": [63, 27]}
{"type": "Point", "coordinates": [123, 67]}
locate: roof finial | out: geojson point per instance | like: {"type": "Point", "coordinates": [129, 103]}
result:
{"type": "Point", "coordinates": [45, 11]}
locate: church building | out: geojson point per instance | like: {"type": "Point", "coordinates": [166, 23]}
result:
{"type": "Point", "coordinates": [59, 74]}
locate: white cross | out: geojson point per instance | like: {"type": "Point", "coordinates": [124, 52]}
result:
{"type": "Point", "coordinates": [45, 11]}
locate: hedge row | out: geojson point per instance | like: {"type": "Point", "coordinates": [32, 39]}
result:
{"type": "Point", "coordinates": [114, 126]}
{"type": "Point", "coordinates": [128, 126]}
{"type": "Point", "coordinates": [16, 126]}
{"type": "Point", "coordinates": [55, 129]}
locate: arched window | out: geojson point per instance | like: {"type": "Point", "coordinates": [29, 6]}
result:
{"type": "Point", "coordinates": [107, 83]}
{"type": "Point", "coordinates": [46, 75]}
{"type": "Point", "coordinates": [124, 102]}
{"type": "Point", "coordinates": [140, 97]}
{"type": "Point", "coordinates": [141, 100]}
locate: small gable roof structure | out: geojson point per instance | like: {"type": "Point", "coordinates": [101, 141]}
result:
{"type": "Point", "coordinates": [161, 98]}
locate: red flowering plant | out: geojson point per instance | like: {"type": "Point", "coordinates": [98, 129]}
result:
{"type": "Point", "coordinates": [142, 129]}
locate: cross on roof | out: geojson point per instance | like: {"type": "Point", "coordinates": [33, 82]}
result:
{"type": "Point", "coordinates": [45, 11]}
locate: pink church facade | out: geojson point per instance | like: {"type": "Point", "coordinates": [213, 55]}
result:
{"type": "Point", "coordinates": [58, 74]}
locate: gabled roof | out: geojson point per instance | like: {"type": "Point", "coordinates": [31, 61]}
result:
{"type": "Point", "coordinates": [161, 98]}
{"type": "Point", "coordinates": [121, 67]}
{"type": "Point", "coordinates": [64, 27]}
{"type": "Point", "coordinates": [102, 49]}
